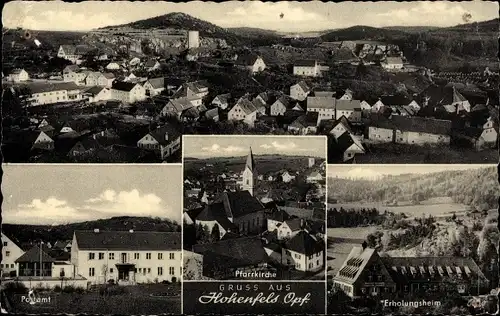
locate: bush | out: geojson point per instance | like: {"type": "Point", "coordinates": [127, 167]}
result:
{"type": "Point", "coordinates": [116, 290]}
{"type": "Point", "coordinates": [174, 279]}
{"type": "Point", "coordinates": [15, 288]}
{"type": "Point", "coordinates": [57, 289]}
{"type": "Point", "coordinates": [111, 281]}
{"type": "Point", "coordinates": [73, 289]}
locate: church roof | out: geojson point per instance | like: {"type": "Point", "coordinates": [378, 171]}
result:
{"type": "Point", "coordinates": [250, 164]}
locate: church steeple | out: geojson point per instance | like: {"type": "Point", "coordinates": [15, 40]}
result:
{"type": "Point", "coordinates": [249, 174]}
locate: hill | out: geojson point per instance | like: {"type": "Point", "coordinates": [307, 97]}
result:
{"type": "Point", "coordinates": [412, 29]}
{"type": "Point", "coordinates": [476, 187]}
{"type": "Point", "coordinates": [21, 234]}
{"type": "Point", "coordinates": [484, 26]}
{"type": "Point", "coordinates": [251, 32]}
{"type": "Point", "coordinates": [361, 32]}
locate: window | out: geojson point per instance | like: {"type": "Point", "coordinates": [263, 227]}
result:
{"type": "Point", "coordinates": [7, 253]}
{"type": "Point", "coordinates": [160, 270]}
{"type": "Point", "coordinates": [136, 256]}
{"type": "Point", "coordinates": [149, 270]}
{"type": "Point", "coordinates": [171, 270]}
{"type": "Point", "coordinates": [101, 255]}
{"type": "Point", "coordinates": [317, 262]}
{"type": "Point", "coordinates": [110, 270]}
{"type": "Point", "coordinates": [172, 256]}
{"type": "Point", "coordinates": [12, 265]}
{"type": "Point", "coordinates": [160, 256]}
{"type": "Point", "coordinates": [144, 271]}
{"type": "Point", "coordinates": [5, 244]}
{"type": "Point", "coordinates": [111, 256]}
{"type": "Point", "coordinates": [91, 272]}
{"type": "Point", "coordinates": [148, 256]}
{"type": "Point", "coordinates": [91, 256]}
{"type": "Point", "coordinates": [140, 270]}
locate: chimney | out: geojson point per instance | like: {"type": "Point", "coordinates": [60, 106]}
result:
{"type": "Point", "coordinates": [301, 223]}
{"type": "Point", "coordinates": [96, 230]}
{"type": "Point", "coordinates": [131, 231]}
{"type": "Point", "coordinates": [364, 245]}
{"type": "Point", "coordinates": [166, 136]}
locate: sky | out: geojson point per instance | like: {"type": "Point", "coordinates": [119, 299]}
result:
{"type": "Point", "coordinates": [59, 194]}
{"type": "Point", "coordinates": [234, 146]}
{"type": "Point", "coordinates": [297, 16]}
{"type": "Point", "coordinates": [376, 171]}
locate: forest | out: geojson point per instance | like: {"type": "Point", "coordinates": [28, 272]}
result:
{"type": "Point", "coordinates": [477, 188]}
{"type": "Point", "coordinates": [350, 217]}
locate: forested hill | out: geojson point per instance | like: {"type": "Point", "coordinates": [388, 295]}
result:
{"type": "Point", "coordinates": [478, 188]}
{"type": "Point", "coordinates": [20, 233]}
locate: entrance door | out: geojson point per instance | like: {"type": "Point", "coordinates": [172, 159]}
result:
{"type": "Point", "coordinates": [124, 258]}
{"type": "Point", "coordinates": [123, 274]}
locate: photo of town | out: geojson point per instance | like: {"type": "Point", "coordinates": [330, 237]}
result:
{"type": "Point", "coordinates": [413, 239]}
{"type": "Point", "coordinates": [386, 82]}
{"type": "Point", "coordinates": [254, 208]}
{"type": "Point", "coordinates": [110, 246]}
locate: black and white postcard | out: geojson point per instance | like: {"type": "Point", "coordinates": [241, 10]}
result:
{"type": "Point", "coordinates": [413, 239]}
{"type": "Point", "coordinates": [91, 239]}
{"type": "Point", "coordinates": [254, 210]}
{"type": "Point", "coordinates": [387, 82]}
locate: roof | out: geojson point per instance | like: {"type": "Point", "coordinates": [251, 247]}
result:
{"type": "Point", "coordinates": [157, 83]}
{"type": "Point", "coordinates": [305, 244]}
{"type": "Point", "coordinates": [394, 60]}
{"type": "Point", "coordinates": [71, 68]}
{"type": "Point", "coordinates": [246, 59]}
{"type": "Point", "coordinates": [16, 71]}
{"type": "Point", "coordinates": [354, 264]}
{"type": "Point", "coordinates": [196, 86]}
{"type": "Point", "coordinates": [348, 105]}
{"type": "Point", "coordinates": [321, 103]}
{"type": "Point", "coordinates": [216, 212]}
{"type": "Point", "coordinates": [329, 94]}
{"type": "Point", "coordinates": [344, 141]}
{"type": "Point", "coordinates": [247, 106]}
{"type": "Point", "coordinates": [442, 95]}
{"type": "Point", "coordinates": [344, 121]}
{"type": "Point", "coordinates": [279, 216]}
{"type": "Point", "coordinates": [49, 87]}
{"type": "Point", "coordinates": [123, 86]}
{"type": "Point", "coordinates": [223, 98]}
{"type": "Point", "coordinates": [165, 130]}
{"type": "Point", "coordinates": [21, 137]}
{"type": "Point", "coordinates": [413, 124]}
{"type": "Point", "coordinates": [306, 120]}
{"type": "Point", "coordinates": [34, 254]}
{"type": "Point", "coordinates": [94, 90]}
{"type": "Point", "coordinates": [239, 203]}
{"type": "Point", "coordinates": [212, 113]}
{"type": "Point", "coordinates": [305, 63]}
{"type": "Point", "coordinates": [180, 104]}
{"type": "Point", "coordinates": [125, 240]}
{"type": "Point", "coordinates": [294, 224]}
{"type": "Point", "coordinates": [250, 163]}
{"type": "Point", "coordinates": [303, 85]}
{"type": "Point", "coordinates": [390, 100]}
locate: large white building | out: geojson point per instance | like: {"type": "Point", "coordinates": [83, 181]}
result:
{"type": "Point", "coordinates": [45, 93]}
{"type": "Point", "coordinates": [307, 68]}
{"type": "Point", "coordinates": [127, 257]}
{"type": "Point", "coordinates": [128, 92]}
{"type": "Point", "coordinates": [18, 75]}
{"type": "Point", "coordinates": [10, 253]}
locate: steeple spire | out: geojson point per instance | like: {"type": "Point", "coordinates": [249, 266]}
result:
{"type": "Point", "coordinates": [250, 162]}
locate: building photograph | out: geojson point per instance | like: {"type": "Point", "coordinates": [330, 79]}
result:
{"type": "Point", "coordinates": [95, 238]}
{"type": "Point", "coordinates": [412, 238]}
{"type": "Point", "coordinates": [254, 208]}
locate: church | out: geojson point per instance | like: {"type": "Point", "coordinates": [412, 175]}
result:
{"type": "Point", "coordinates": [237, 212]}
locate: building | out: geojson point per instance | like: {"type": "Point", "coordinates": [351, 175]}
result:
{"type": "Point", "coordinates": [50, 93]}
{"type": "Point", "coordinates": [283, 104]}
{"type": "Point", "coordinates": [249, 174]}
{"type": "Point", "coordinates": [304, 252]}
{"type": "Point", "coordinates": [154, 86]}
{"type": "Point", "coordinates": [300, 91]}
{"type": "Point", "coordinates": [444, 98]}
{"type": "Point", "coordinates": [97, 94]}
{"type": "Point", "coordinates": [73, 53]}
{"type": "Point", "coordinates": [164, 140]}
{"type": "Point", "coordinates": [351, 109]}
{"type": "Point", "coordinates": [340, 126]}
{"type": "Point", "coordinates": [288, 228]}
{"type": "Point", "coordinates": [314, 177]}
{"type": "Point", "coordinates": [348, 95]}
{"type": "Point", "coordinates": [349, 146]}
{"type": "Point", "coordinates": [127, 257]}
{"type": "Point", "coordinates": [276, 219]}
{"type": "Point", "coordinates": [307, 68]}
{"type": "Point", "coordinates": [152, 65]}
{"type": "Point", "coordinates": [365, 273]}
{"type": "Point", "coordinates": [243, 110]}
{"type": "Point", "coordinates": [409, 130]}
{"type": "Point", "coordinates": [311, 162]}
{"type": "Point", "coordinates": [393, 64]}
{"type": "Point", "coordinates": [305, 124]}
{"type": "Point", "coordinates": [10, 252]}
{"type": "Point", "coordinates": [252, 62]}
{"type": "Point", "coordinates": [127, 92]}
{"type": "Point", "coordinates": [96, 78]}
{"type": "Point", "coordinates": [324, 106]}
{"type": "Point", "coordinates": [18, 75]}
{"type": "Point", "coordinates": [177, 107]}
{"type": "Point", "coordinates": [113, 66]}
{"type": "Point", "coordinates": [193, 39]}
{"type": "Point", "coordinates": [287, 177]}
{"type": "Point", "coordinates": [222, 101]}
{"type": "Point", "coordinates": [192, 90]}
{"type": "Point", "coordinates": [35, 263]}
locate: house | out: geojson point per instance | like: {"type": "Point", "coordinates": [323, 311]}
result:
{"type": "Point", "coordinates": [409, 130]}
{"type": "Point", "coordinates": [314, 177]}
{"type": "Point", "coordinates": [243, 110]}
{"type": "Point", "coordinates": [164, 140]}
{"type": "Point", "coordinates": [283, 104]}
{"type": "Point", "coordinates": [300, 91]}
{"type": "Point", "coordinates": [192, 90]}
{"type": "Point", "coordinates": [64, 245]}
{"type": "Point", "coordinates": [134, 61]}
{"type": "Point", "coordinates": [178, 106]}
{"type": "Point", "coordinates": [113, 66]}
{"type": "Point", "coordinates": [222, 101]}
{"type": "Point", "coordinates": [392, 63]}
{"type": "Point", "coordinates": [127, 257]}
{"type": "Point", "coordinates": [10, 252]}
{"type": "Point", "coordinates": [364, 273]}
{"type": "Point", "coordinates": [351, 109]}
{"type": "Point", "coordinates": [349, 146]}
{"type": "Point", "coordinates": [398, 103]}
{"type": "Point", "coordinates": [35, 262]}
{"type": "Point", "coordinates": [340, 126]}
{"type": "Point", "coordinates": [304, 252]}
{"type": "Point", "coordinates": [444, 98]}
{"type": "Point", "coordinates": [305, 124]}
{"type": "Point", "coordinates": [29, 139]}
{"type": "Point", "coordinates": [307, 68]}
{"type": "Point", "coordinates": [97, 94]}
{"type": "Point", "coordinates": [95, 78]}
{"type": "Point", "coordinates": [18, 75]}
{"type": "Point", "coordinates": [324, 106]}
{"type": "Point", "coordinates": [287, 177]}
{"type": "Point", "coordinates": [49, 93]}
{"type": "Point", "coordinates": [212, 115]}
{"type": "Point", "coordinates": [365, 106]}
{"type": "Point", "coordinates": [127, 92]}
{"type": "Point", "coordinates": [73, 53]}
{"type": "Point", "coordinates": [84, 147]}
{"type": "Point", "coordinates": [154, 86]}
{"type": "Point", "coordinates": [289, 228]}
{"type": "Point", "coordinates": [276, 219]}
{"type": "Point", "coordinates": [348, 95]}
{"type": "Point", "coordinates": [252, 62]}
{"type": "Point", "coordinates": [152, 65]}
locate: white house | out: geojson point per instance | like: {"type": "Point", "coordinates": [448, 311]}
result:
{"type": "Point", "coordinates": [73, 53]}
{"type": "Point", "coordinates": [154, 86]}
{"type": "Point", "coordinates": [127, 257]}
{"type": "Point", "coordinates": [96, 78]}
{"type": "Point", "coordinates": [287, 177]}
{"type": "Point", "coordinates": [113, 66]}
{"type": "Point", "coordinates": [351, 109]}
{"type": "Point", "coordinates": [365, 106]}
{"type": "Point", "coordinates": [348, 95]}
{"type": "Point", "coordinates": [340, 126]}
{"type": "Point", "coordinates": [18, 75]}
{"type": "Point", "coordinates": [349, 146]}
{"type": "Point", "coordinates": [165, 141]}
{"type": "Point", "coordinates": [324, 106]}
{"type": "Point", "coordinates": [284, 103]}
{"type": "Point", "coordinates": [222, 101]}
{"type": "Point", "coordinates": [289, 228]}
{"type": "Point", "coordinates": [314, 177]}
{"type": "Point", "coordinates": [10, 253]}
{"type": "Point", "coordinates": [127, 92]}
{"type": "Point", "coordinates": [304, 252]}
{"type": "Point", "coordinates": [307, 68]}
{"type": "Point", "coordinates": [393, 63]}
{"type": "Point", "coordinates": [243, 110]}
{"type": "Point", "coordinates": [276, 219]}
{"type": "Point", "coordinates": [195, 89]}
{"type": "Point", "coordinates": [300, 91]}
{"type": "Point", "coordinates": [253, 63]}
{"type": "Point", "coordinates": [97, 94]}
{"type": "Point", "coordinates": [44, 93]}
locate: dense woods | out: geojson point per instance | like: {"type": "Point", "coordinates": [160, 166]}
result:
{"type": "Point", "coordinates": [475, 187]}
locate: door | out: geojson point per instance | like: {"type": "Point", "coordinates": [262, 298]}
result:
{"type": "Point", "coordinates": [124, 258]}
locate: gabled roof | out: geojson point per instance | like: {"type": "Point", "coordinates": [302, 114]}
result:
{"type": "Point", "coordinates": [196, 86]}
{"type": "Point", "coordinates": [345, 122]}
{"type": "Point", "coordinates": [349, 105]}
{"type": "Point", "coordinates": [34, 254]}
{"type": "Point", "coordinates": [294, 224]}
{"type": "Point", "coordinates": [345, 141]}
{"type": "Point", "coordinates": [413, 124]}
{"type": "Point", "coordinates": [71, 68]}
{"type": "Point", "coordinates": [390, 100]}
{"type": "Point", "coordinates": [321, 103]}
{"type": "Point", "coordinates": [212, 113]}
{"type": "Point", "coordinates": [49, 87]}
{"type": "Point", "coordinates": [246, 59]}
{"type": "Point", "coordinates": [354, 264]}
{"type": "Point", "coordinates": [247, 106]}
{"type": "Point", "coordinates": [239, 203]}
{"type": "Point", "coordinates": [123, 86]}
{"type": "Point", "coordinates": [329, 94]}
{"type": "Point", "coordinates": [305, 63]}
{"type": "Point", "coordinates": [305, 244]}
{"type": "Point", "coordinates": [442, 95]}
{"type": "Point", "coordinates": [250, 163]}
{"type": "Point", "coordinates": [94, 90]}
{"type": "Point", "coordinates": [160, 134]}
{"type": "Point", "coordinates": [223, 98]}
{"type": "Point", "coordinates": [303, 85]}
{"type": "Point", "coordinates": [16, 71]}
{"type": "Point", "coordinates": [157, 83]}
{"type": "Point", "coordinates": [125, 240]}
{"type": "Point", "coordinates": [279, 216]}
{"type": "Point", "coordinates": [307, 120]}
{"type": "Point", "coordinates": [180, 104]}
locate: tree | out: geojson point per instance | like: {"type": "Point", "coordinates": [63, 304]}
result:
{"type": "Point", "coordinates": [202, 235]}
{"type": "Point", "coordinates": [215, 235]}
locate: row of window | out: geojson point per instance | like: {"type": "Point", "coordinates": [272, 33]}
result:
{"type": "Point", "coordinates": [6, 266]}
{"type": "Point", "coordinates": [143, 271]}
{"type": "Point", "coordinates": [137, 256]}
{"type": "Point", "coordinates": [311, 264]}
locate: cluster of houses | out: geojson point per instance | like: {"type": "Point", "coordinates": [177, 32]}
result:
{"type": "Point", "coordinates": [255, 236]}
{"type": "Point", "coordinates": [95, 257]}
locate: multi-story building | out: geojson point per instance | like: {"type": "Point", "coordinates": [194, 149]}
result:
{"type": "Point", "coordinates": [10, 253]}
{"type": "Point", "coordinates": [54, 93]}
{"type": "Point", "coordinates": [307, 68]}
{"type": "Point", "coordinates": [127, 257]}
{"type": "Point", "coordinates": [128, 92]}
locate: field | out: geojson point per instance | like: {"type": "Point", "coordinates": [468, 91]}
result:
{"type": "Point", "coordinates": [144, 299]}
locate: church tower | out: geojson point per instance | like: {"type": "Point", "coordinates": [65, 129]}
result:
{"type": "Point", "coordinates": [249, 174]}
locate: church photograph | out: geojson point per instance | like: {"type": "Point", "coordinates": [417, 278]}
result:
{"type": "Point", "coordinates": [254, 208]}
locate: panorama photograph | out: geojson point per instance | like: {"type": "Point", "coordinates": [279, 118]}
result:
{"type": "Point", "coordinates": [111, 245]}
{"type": "Point", "coordinates": [386, 82]}
{"type": "Point", "coordinates": [413, 239]}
